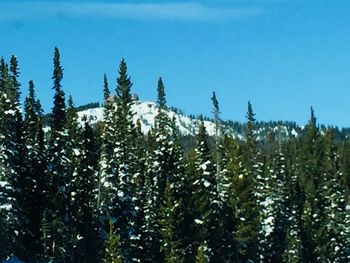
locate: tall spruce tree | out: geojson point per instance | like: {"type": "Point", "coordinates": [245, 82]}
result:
{"type": "Point", "coordinates": [12, 147]}
{"type": "Point", "coordinates": [174, 217]}
{"type": "Point", "coordinates": [207, 198]}
{"type": "Point", "coordinates": [107, 163]}
{"type": "Point", "coordinates": [117, 165]}
{"type": "Point", "coordinates": [273, 215]}
{"type": "Point", "coordinates": [6, 190]}
{"type": "Point", "coordinates": [223, 186]}
{"type": "Point", "coordinates": [248, 225]}
{"type": "Point", "coordinates": [33, 183]}
{"type": "Point", "coordinates": [310, 176]}
{"type": "Point", "coordinates": [57, 237]}
{"type": "Point", "coordinates": [334, 232]}
{"type": "Point", "coordinates": [159, 171]}
{"type": "Point", "coordinates": [83, 199]}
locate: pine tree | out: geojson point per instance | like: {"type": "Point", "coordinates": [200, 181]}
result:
{"type": "Point", "coordinates": [274, 216]}
{"type": "Point", "coordinates": [33, 183]}
{"type": "Point", "coordinates": [223, 186]}
{"type": "Point", "coordinates": [139, 192]}
{"type": "Point", "coordinates": [118, 161]}
{"type": "Point", "coordinates": [57, 215]}
{"type": "Point", "coordinates": [160, 169]}
{"type": "Point", "coordinates": [249, 195]}
{"type": "Point", "coordinates": [12, 147]}
{"type": "Point", "coordinates": [294, 248]}
{"type": "Point", "coordinates": [202, 256]}
{"type": "Point", "coordinates": [175, 218]}
{"type": "Point", "coordinates": [112, 251]}
{"type": "Point", "coordinates": [151, 228]}
{"type": "Point", "coordinates": [206, 197]}
{"type": "Point", "coordinates": [334, 232]}
{"type": "Point", "coordinates": [216, 112]}
{"type": "Point", "coordinates": [83, 199]}
{"type": "Point", "coordinates": [107, 163]}
{"type": "Point", "coordinates": [310, 175]}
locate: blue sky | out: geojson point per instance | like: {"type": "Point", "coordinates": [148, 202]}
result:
{"type": "Point", "coordinates": [282, 55]}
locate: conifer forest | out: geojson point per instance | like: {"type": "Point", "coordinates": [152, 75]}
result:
{"type": "Point", "coordinates": [76, 191]}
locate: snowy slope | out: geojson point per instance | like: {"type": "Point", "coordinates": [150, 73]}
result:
{"type": "Point", "coordinates": [146, 113]}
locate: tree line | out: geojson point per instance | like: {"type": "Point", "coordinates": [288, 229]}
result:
{"type": "Point", "coordinates": [109, 193]}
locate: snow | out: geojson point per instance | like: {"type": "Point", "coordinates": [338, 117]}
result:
{"type": "Point", "coordinates": [198, 221]}
{"type": "Point", "coordinates": [146, 113]}
{"type": "Point", "coordinates": [206, 183]}
{"type": "Point", "coordinates": [6, 207]}
{"type": "Point", "coordinates": [10, 112]}
{"type": "Point", "coordinates": [76, 152]}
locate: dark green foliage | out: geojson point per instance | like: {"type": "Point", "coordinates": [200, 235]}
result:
{"type": "Point", "coordinates": [83, 199]}
{"type": "Point", "coordinates": [57, 214]}
{"type": "Point", "coordinates": [247, 203]}
{"type": "Point", "coordinates": [33, 184]}
{"type": "Point", "coordinates": [107, 193]}
{"type": "Point", "coordinates": [11, 151]}
{"type": "Point", "coordinates": [106, 92]}
{"type": "Point", "coordinates": [112, 252]}
{"type": "Point", "coordinates": [207, 198]}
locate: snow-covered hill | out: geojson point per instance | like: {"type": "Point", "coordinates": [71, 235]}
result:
{"type": "Point", "coordinates": [146, 113]}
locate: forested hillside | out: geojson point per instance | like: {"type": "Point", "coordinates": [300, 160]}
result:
{"type": "Point", "coordinates": [74, 189]}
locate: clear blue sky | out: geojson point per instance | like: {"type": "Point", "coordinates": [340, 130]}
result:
{"type": "Point", "coordinates": [283, 55]}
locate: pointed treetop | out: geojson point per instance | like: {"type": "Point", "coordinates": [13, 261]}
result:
{"type": "Point", "coordinates": [14, 66]}
{"type": "Point", "coordinates": [70, 102]}
{"type": "Point", "coordinates": [57, 70]}
{"type": "Point", "coordinates": [31, 89]}
{"type": "Point", "coordinates": [3, 69]}
{"type": "Point", "coordinates": [30, 99]}
{"type": "Point", "coordinates": [215, 104]}
{"type": "Point", "coordinates": [312, 121]}
{"type": "Point", "coordinates": [250, 128]}
{"type": "Point", "coordinates": [250, 113]}
{"type": "Point", "coordinates": [161, 94]}
{"type": "Point", "coordinates": [106, 91]}
{"type": "Point", "coordinates": [202, 132]}
{"type": "Point", "coordinates": [123, 83]}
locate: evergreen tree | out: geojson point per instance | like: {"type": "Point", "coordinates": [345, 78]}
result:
{"type": "Point", "coordinates": [207, 198]}
{"type": "Point", "coordinates": [334, 232]}
{"type": "Point", "coordinates": [294, 248]}
{"type": "Point", "coordinates": [107, 163]}
{"type": "Point", "coordinates": [216, 112]}
{"type": "Point", "coordinates": [151, 228]}
{"type": "Point", "coordinates": [106, 91]}
{"type": "Point", "coordinates": [117, 165]}
{"type": "Point", "coordinates": [310, 176]}
{"type": "Point", "coordinates": [223, 186]}
{"type": "Point", "coordinates": [160, 169]}
{"type": "Point", "coordinates": [139, 192]}
{"type": "Point", "coordinates": [33, 183]}
{"type": "Point", "coordinates": [174, 215]}
{"type": "Point", "coordinates": [202, 256]}
{"type": "Point", "coordinates": [12, 147]}
{"type": "Point", "coordinates": [83, 199]}
{"type": "Point", "coordinates": [248, 196]}
{"type": "Point", "coordinates": [112, 251]}
{"type": "Point", "coordinates": [57, 214]}
{"type": "Point", "coordinates": [274, 216]}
